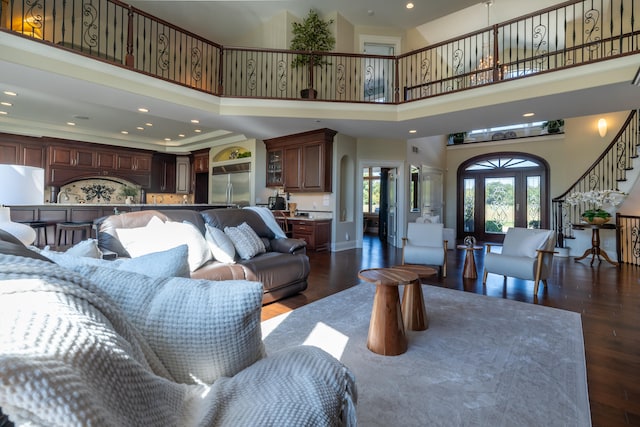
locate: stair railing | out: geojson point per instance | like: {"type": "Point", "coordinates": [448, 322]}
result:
{"type": "Point", "coordinates": [604, 174]}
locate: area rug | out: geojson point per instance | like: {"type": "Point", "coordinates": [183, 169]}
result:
{"type": "Point", "coordinates": [484, 361]}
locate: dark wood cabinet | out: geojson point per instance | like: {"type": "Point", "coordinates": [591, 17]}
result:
{"type": "Point", "coordinates": [70, 160]}
{"type": "Point", "coordinates": [163, 173]}
{"type": "Point", "coordinates": [19, 150]}
{"type": "Point", "coordinates": [63, 155]}
{"type": "Point", "coordinates": [201, 162]}
{"type": "Point", "coordinates": [317, 233]}
{"type": "Point", "coordinates": [305, 161]}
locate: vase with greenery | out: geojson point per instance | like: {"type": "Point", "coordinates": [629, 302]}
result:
{"type": "Point", "coordinates": [313, 34]}
{"type": "Point", "coordinates": [596, 200]}
{"type": "Point", "coordinates": [128, 193]}
{"type": "Point", "coordinates": [553, 126]}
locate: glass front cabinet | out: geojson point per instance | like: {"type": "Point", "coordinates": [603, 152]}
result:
{"type": "Point", "coordinates": [274, 168]}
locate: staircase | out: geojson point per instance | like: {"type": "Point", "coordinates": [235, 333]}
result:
{"type": "Point", "coordinates": [613, 170]}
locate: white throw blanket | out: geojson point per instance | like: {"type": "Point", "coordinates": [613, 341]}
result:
{"type": "Point", "coordinates": [269, 220]}
{"type": "Point", "coordinates": [69, 356]}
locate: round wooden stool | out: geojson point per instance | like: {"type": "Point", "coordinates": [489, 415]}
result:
{"type": "Point", "coordinates": [386, 328]}
{"type": "Point", "coordinates": [414, 313]}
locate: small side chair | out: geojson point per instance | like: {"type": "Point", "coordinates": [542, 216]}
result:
{"type": "Point", "coordinates": [527, 254]}
{"type": "Point", "coordinates": [424, 244]}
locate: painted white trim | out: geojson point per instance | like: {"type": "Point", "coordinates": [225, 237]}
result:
{"type": "Point", "coordinates": [369, 38]}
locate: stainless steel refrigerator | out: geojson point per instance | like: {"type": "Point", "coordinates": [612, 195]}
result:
{"type": "Point", "coordinates": [231, 184]}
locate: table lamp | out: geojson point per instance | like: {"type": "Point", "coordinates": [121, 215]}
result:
{"type": "Point", "coordinates": [19, 185]}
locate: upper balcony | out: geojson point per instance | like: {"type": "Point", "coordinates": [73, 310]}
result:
{"type": "Point", "coordinates": [565, 37]}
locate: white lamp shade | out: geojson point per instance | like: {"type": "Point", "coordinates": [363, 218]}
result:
{"type": "Point", "coordinates": [21, 185]}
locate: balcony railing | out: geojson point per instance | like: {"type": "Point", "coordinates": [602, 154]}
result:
{"type": "Point", "coordinates": [568, 35]}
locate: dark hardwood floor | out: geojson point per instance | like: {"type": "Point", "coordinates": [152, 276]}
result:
{"type": "Point", "coordinates": [608, 298]}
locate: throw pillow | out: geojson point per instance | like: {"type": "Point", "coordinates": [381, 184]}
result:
{"type": "Point", "coordinates": [245, 240]}
{"type": "Point", "coordinates": [170, 263]}
{"type": "Point", "coordinates": [221, 246]}
{"type": "Point", "coordinates": [160, 236]}
{"type": "Point", "coordinates": [86, 248]}
{"type": "Point", "coordinates": [201, 330]}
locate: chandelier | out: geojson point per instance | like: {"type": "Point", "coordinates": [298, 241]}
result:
{"type": "Point", "coordinates": [485, 65]}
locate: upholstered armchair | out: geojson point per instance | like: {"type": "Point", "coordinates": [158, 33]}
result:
{"type": "Point", "coordinates": [425, 244]}
{"type": "Point", "coordinates": [527, 254]}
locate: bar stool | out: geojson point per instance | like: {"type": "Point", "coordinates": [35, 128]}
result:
{"type": "Point", "coordinates": [66, 227]}
{"type": "Point", "coordinates": [38, 226]}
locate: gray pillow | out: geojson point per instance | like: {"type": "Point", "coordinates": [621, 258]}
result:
{"type": "Point", "coordinates": [245, 240]}
{"type": "Point", "coordinates": [220, 244]}
{"type": "Point", "coordinates": [170, 263]}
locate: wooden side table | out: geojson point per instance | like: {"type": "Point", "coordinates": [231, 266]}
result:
{"type": "Point", "coordinates": [414, 313]}
{"type": "Point", "coordinates": [386, 328]}
{"type": "Point", "coordinates": [595, 250]}
{"type": "Point", "coordinates": [469, 270]}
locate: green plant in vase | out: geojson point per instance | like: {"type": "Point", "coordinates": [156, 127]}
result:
{"type": "Point", "coordinates": [596, 216]}
{"type": "Point", "coordinates": [128, 193]}
{"type": "Point", "coordinates": [311, 35]}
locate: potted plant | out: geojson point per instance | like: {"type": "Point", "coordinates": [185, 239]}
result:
{"type": "Point", "coordinates": [458, 137]}
{"type": "Point", "coordinates": [312, 35]}
{"type": "Point", "coordinates": [128, 193]}
{"type": "Point", "coordinates": [596, 216]}
{"type": "Point", "coordinates": [553, 126]}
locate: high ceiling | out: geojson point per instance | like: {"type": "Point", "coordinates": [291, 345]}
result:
{"type": "Point", "coordinates": [56, 87]}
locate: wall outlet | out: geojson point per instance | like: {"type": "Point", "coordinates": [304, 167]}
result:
{"type": "Point", "coordinates": [346, 236]}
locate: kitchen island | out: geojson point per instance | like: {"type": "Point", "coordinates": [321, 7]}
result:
{"type": "Point", "coordinates": [54, 213]}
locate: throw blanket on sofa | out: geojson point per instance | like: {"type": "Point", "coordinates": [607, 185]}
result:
{"type": "Point", "coordinates": [70, 356]}
{"type": "Point", "coordinates": [269, 219]}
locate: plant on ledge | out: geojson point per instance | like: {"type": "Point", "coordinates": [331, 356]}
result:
{"type": "Point", "coordinates": [311, 35]}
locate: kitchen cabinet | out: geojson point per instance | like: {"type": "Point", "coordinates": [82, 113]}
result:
{"type": "Point", "coordinates": [134, 162]}
{"type": "Point", "coordinates": [201, 162]}
{"type": "Point", "coordinates": [63, 155]}
{"type": "Point", "coordinates": [274, 168]}
{"type": "Point", "coordinates": [18, 150]}
{"type": "Point", "coordinates": [316, 232]}
{"type": "Point", "coordinates": [183, 175]}
{"type": "Point", "coordinates": [305, 161]}
{"type": "Point", "coordinates": [163, 173]}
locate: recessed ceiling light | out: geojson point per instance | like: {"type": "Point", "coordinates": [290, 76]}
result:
{"type": "Point", "coordinates": [140, 128]}
{"type": "Point", "coordinates": [6, 104]}
{"type": "Point", "coordinates": [196, 121]}
{"type": "Point", "coordinates": [413, 131]}
{"type": "Point", "coordinates": [528, 114]}
{"type": "Point", "coordinates": [148, 124]}
{"type": "Point", "coordinates": [197, 131]}
{"type": "Point", "coordinates": [181, 135]}
{"type": "Point", "coordinates": [124, 132]}
{"type": "Point", "coordinates": [167, 139]}
{"type": "Point", "coordinates": [3, 113]}
{"type": "Point", "coordinates": [9, 93]}
{"type": "Point", "coordinates": [143, 110]}
{"type": "Point", "coordinates": [409, 5]}
{"type": "Point", "coordinates": [71, 123]}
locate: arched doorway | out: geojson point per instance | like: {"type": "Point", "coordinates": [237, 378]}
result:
{"type": "Point", "coordinates": [501, 190]}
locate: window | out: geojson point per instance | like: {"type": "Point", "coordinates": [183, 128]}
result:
{"type": "Point", "coordinates": [371, 190]}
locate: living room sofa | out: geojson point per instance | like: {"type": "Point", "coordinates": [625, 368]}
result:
{"type": "Point", "coordinates": [282, 269]}
{"type": "Point", "coordinates": [94, 345]}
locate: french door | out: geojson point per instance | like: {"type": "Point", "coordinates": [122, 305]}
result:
{"type": "Point", "coordinates": [499, 191]}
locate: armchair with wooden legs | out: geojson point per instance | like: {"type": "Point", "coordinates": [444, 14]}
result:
{"type": "Point", "coordinates": [527, 254]}
{"type": "Point", "coordinates": [424, 244]}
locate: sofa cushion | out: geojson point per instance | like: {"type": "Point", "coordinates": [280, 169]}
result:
{"type": "Point", "coordinates": [221, 218]}
{"type": "Point", "coordinates": [170, 263]}
{"type": "Point", "coordinates": [524, 241]}
{"type": "Point", "coordinates": [220, 245]}
{"type": "Point", "coordinates": [245, 240]}
{"type": "Point", "coordinates": [211, 331]}
{"type": "Point", "coordinates": [158, 236]}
